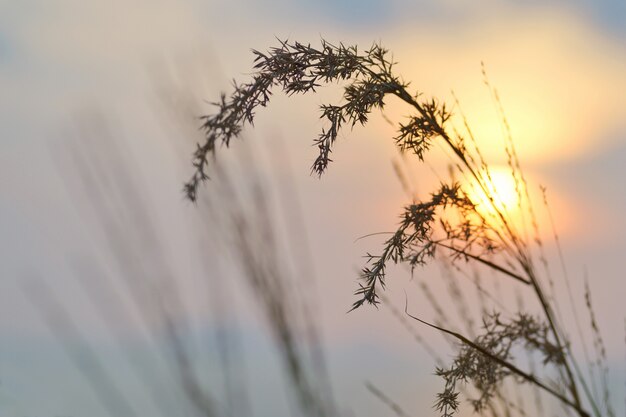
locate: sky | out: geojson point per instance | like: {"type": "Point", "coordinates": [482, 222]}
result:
{"type": "Point", "coordinates": [77, 77]}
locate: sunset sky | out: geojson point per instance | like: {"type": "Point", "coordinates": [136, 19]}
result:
{"type": "Point", "coordinates": [131, 71]}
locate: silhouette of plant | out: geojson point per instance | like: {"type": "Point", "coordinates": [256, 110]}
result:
{"type": "Point", "coordinates": [449, 225]}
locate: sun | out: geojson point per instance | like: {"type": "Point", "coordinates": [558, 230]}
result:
{"type": "Point", "coordinates": [502, 189]}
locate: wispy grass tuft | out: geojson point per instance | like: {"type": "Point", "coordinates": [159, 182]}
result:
{"type": "Point", "coordinates": [448, 224]}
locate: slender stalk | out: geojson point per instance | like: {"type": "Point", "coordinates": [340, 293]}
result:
{"type": "Point", "coordinates": [549, 316]}
{"type": "Point", "coordinates": [487, 263]}
{"type": "Point", "coordinates": [528, 377]}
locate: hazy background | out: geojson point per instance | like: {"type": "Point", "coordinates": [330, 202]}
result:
{"type": "Point", "coordinates": [71, 71]}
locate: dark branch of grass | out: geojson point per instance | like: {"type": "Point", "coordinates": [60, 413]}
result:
{"type": "Point", "coordinates": [442, 320]}
{"type": "Point", "coordinates": [486, 262]}
{"type": "Point", "coordinates": [441, 315]}
{"type": "Point", "coordinates": [412, 243]}
{"type": "Point", "coordinates": [297, 69]}
{"type": "Point", "coordinates": [448, 399]}
{"type": "Point", "coordinates": [401, 318]}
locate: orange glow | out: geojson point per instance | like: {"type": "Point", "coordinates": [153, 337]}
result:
{"type": "Point", "coordinates": [503, 194]}
{"type": "Point", "coordinates": [541, 71]}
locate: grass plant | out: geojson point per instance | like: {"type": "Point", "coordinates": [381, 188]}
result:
{"type": "Point", "coordinates": [451, 225]}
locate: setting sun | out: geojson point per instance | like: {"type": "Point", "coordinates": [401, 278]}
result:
{"type": "Point", "coordinates": [502, 189]}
